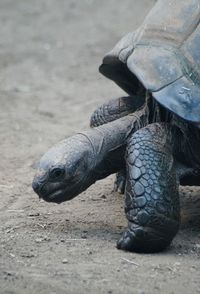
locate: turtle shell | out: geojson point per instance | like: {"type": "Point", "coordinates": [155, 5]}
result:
{"type": "Point", "coordinates": [164, 56]}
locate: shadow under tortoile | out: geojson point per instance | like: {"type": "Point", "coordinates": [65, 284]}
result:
{"type": "Point", "coordinates": [190, 207]}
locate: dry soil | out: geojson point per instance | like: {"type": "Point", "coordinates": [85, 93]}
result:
{"type": "Point", "coordinates": [49, 85]}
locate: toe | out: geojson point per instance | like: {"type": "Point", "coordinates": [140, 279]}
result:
{"type": "Point", "coordinates": [126, 242]}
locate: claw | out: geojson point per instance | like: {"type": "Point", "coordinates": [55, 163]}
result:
{"type": "Point", "coordinates": [120, 181]}
{"type": "Point", "coordinates": [126, 242]}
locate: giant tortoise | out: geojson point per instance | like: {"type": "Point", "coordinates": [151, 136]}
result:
{"type": "Point", "coordinates": [154, 133]}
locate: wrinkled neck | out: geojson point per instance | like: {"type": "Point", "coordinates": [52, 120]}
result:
{"type": "Point", "coordinates": [108, 143]}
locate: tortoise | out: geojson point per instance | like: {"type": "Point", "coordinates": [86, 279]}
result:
{"type": "Point", "coordinates": [153, 134]}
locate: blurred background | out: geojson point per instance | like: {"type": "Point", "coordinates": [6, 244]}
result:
{"type": "Point", "coordinates": [50, 52]}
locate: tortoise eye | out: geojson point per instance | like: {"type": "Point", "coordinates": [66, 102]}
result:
{"type": "Point", "coordinates": [56, 173]}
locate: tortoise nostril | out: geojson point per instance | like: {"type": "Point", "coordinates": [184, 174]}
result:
{"type": "Point", "coordinates": [43, 189]}
{"type": "Point", "coordinates": [36, 186]}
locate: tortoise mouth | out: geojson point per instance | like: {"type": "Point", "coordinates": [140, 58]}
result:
{"type": "Point", "coordinates": [58, 193]}
{"type": "Point", "coordinates": [58, 197]}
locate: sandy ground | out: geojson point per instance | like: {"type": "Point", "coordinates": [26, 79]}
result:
{"type": "Point", "coordinates": [49, 85]}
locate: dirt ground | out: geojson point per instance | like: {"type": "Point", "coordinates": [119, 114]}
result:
{"type": "Point", "coordinates": [49, 85]}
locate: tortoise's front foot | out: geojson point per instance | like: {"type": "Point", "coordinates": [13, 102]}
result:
{"type": "Point", "coordinates": [120, 182]}
{"type": "Point", "coordinates": [145, 240]}
{"type": "Point", "coordinates": [151, 196]}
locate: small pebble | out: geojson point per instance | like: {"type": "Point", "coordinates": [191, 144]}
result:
{"type": "Point", "coordinates": [32, 214]}
{"type": "Point", "coordinates": [64, 261]}
{"type": "Point", "coordinates": [38, 240]}
{"type": "Point", "coordinates": [103, 196]}
{"type": "Point", "coordinates": [28, 255]}
{"type": "Point", "coordinates": [83, 236]}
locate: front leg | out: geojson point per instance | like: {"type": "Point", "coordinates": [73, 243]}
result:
{"type": "Point", "coordinates": [151, 196]}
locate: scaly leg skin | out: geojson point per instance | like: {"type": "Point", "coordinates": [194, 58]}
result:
{"type": "Point", "coordinates": [151, 196]}
{"type": "Point", "coordinates": [115, 109]}
{"type": "Point", "coordinates": [110, 111]}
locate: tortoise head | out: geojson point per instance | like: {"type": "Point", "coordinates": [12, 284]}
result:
{"type": "Point", "coordinates": [65, 170]}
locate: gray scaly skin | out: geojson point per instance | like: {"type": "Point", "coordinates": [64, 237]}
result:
{"type": "Point", "coordinates": [115, 109]}
{"type": "Point", "coordinates": [153, 173]}
{"type": "Point", "coordinates": [151, 196]}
